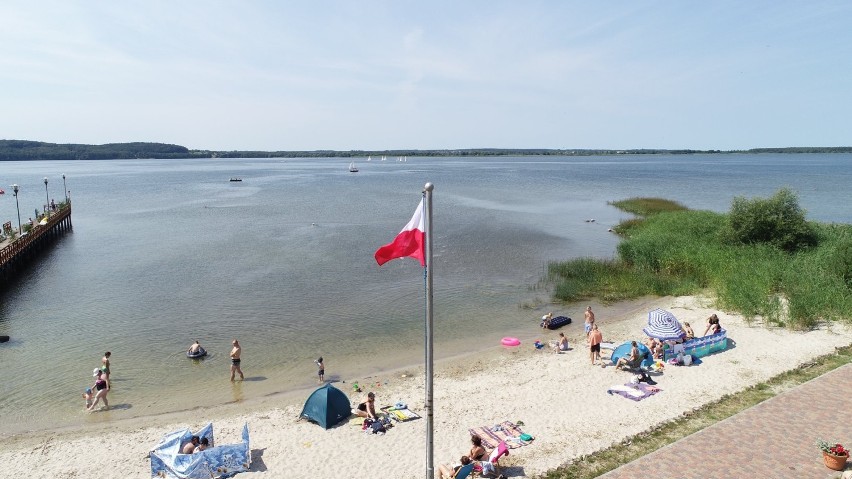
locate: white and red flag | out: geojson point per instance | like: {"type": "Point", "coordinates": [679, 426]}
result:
{"type": "Point", "coordinates": [408, 243]}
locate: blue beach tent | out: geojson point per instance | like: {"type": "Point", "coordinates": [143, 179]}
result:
{"type": "Point", "coordinates": [326, 406]}
{"type": "Point", "coordinates": [624, 351]}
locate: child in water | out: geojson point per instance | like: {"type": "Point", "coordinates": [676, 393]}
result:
{"type": "Point", "coordinates": [88, 396]}
{"type": "Point", "coordinates": [320, 370]}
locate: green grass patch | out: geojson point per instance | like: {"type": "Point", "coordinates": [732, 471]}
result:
{"type": "Point", "coordinates": [603, 461]}
{"type": "Point", "coordinates": [647, 206]}
{"type": "Point", "coordinates": [684, 252]}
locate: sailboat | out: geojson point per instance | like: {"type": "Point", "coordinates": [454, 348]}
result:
{"type": "Point", "coordinates": [369, 158]}
{"type": "Point", "coordinates": [353, 168]}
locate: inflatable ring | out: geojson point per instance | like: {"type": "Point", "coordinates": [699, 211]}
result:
{"type": "Point", "coordinates": [507, 341]}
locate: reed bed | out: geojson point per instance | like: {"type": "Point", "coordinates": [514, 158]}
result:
{"type": "Point", "coordinates": [673, 251]}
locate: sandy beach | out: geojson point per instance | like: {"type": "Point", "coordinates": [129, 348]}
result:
{"type": "Point", "coordinates": [561, 398]}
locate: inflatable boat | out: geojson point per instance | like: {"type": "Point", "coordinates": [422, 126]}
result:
{"type": "Point", "coordinates": [700, 347]}
{"type": "Point", "coordinates": [198, 354]}
{"type": "Point", "coordinates": [557, 322]}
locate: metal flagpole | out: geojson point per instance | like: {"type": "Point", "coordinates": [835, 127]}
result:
{"type": "Point", "coordinates": [430, 468]}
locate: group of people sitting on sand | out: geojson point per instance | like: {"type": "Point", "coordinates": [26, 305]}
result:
{"type": "Point", "coordinates": [477, 453]}
{"type": "Point", "coordinates": [657, 346]}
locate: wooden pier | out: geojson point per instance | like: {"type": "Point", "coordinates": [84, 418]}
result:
{"type": "Point", "coordinates": [17, 253]}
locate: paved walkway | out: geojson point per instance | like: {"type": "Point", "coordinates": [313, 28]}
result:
{"type": "Point", "coordinates": [773, 439]}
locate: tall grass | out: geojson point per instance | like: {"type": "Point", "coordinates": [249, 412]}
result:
{"type": "Point", "coordinates": [683, 252]}
{"type": "Point", "coordinates": [647, 206]}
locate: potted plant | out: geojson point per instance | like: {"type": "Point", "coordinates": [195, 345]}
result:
{"type": "Point", "coordinates": [833, 455]}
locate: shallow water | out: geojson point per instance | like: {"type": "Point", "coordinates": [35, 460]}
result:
{"type": "Point", "coordinates": [165, 252]}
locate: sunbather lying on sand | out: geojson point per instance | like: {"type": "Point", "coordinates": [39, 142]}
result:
{"type": "Point", "coordinates": [445, 471]}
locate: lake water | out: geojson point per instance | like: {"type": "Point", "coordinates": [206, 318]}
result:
{"type": "Point", "coordinates": [166, 252]}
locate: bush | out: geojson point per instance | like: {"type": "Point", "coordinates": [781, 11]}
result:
{"type": "Point", "coordinates": [777, 220]}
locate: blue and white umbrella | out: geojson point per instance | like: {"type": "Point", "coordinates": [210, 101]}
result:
{"type": "Point", "coordinates": [663, 325]}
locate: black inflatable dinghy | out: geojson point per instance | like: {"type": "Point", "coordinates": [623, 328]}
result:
{"type": "Point", "coordinates": [198, 354]}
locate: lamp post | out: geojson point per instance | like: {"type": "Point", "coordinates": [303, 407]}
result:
{"type": "Point", "coordinates": [64, 187]}
{"type": "Point", "coordinates": [15, 190]}
{"type": "Point", "coordinates": [47, 198]}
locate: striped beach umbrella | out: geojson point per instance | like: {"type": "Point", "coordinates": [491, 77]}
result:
{"type": "Point", "coordinates": [663, 325]}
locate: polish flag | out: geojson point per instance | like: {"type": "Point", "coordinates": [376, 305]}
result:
{"type": "Point", "coordinates": [408, 243]}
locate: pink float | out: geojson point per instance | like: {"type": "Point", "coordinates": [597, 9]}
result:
{"type": "Point", "coordinates": [510, 341]}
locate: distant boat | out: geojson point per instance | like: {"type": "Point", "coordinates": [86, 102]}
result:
{"type": "Point", "coordinates": [236, 179]}
{"type": "Point", "coordinates": [384, 158]}
{"type": "Point", "coordinates": [353, 168]}
{"type": "Point", "coordinates": [369, 158]}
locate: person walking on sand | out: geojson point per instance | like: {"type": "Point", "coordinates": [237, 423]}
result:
{"type": "Point", "coordinates": [595, 339]}
{"type": "Point", "coordinates": [321, 370]}
{"type": "Point", "coordinates": [236, 352]}
{"type": "Point", "coordinates": [590, 319]}
{"type": "Point", "coordinates": [105, 368]}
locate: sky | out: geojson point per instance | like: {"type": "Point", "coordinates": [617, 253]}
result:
{"type": "Point", "coordinates": [369, 75]}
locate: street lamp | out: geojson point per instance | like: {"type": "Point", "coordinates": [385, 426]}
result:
{"type": "Point", "coordinates": [64, 187]}
{"type": "Point", "coordinates": [47, 197]}
{"type": "Point", "coordinates": [15, 189]}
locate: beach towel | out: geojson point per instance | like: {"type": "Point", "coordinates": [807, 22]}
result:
{"type": "Point", "coordinates": [635, 392]}
{"type": "Point", "coordinates": [400, 414]}
{"type": "Point", "coordinates": [506, 431]}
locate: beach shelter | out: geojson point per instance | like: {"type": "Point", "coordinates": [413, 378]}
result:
{"type": "Point", "coordinates": [216, 461]}
{"type": "Point", "coordinates": [624, 351]}
{"type": "Point", "coordinates": [326, 406]}
{"type": "Point", "coordinates": [663, 326]}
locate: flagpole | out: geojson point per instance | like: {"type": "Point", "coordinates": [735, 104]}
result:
{"type": "Point", "coordinates": [430, 468]}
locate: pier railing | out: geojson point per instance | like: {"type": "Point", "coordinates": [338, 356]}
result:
{"type": "Point", "coordinates": [22, 243]}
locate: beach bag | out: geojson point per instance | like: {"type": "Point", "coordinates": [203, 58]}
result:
{"type": "Point", "coordinates": [687, 359]}
{"type": "Point", "coordinates": [377, 427]}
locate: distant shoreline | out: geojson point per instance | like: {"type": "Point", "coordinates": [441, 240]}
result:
{"type": "Point", "coordinates": [24, 150]}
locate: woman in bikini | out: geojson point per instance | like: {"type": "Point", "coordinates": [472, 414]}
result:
{"type": "Point", "coordinates": [368, 407]}
{"type": "Point", "coordinates": [101, 390]}
{"type": "Point", "coordinates": [713, 325]}
{"type": "Point", "coordinates": [105, 368]}
{"type": "Point", "coordinates": [477, 452]}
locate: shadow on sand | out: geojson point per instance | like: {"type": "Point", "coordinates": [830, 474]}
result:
{"type": "Point", "coordinates": [257, 463]}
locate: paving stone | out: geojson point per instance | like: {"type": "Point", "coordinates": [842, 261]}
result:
{"type": "Point", "coordinates": [774, 439]}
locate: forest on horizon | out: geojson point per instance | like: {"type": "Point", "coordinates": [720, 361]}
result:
{"type": "Point", "coordinates": [24, 150]}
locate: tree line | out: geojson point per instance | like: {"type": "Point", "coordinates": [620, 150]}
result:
{"type": "Point", "coordinates": [23, 150]}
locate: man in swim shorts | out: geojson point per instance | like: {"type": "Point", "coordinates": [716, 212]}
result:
{"type": "Point", "coordinates": [595, 339]}
{"type": "Point", "coordinates": [236, 351]}
{"type": "Point", "coordinates": [590, 319]}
